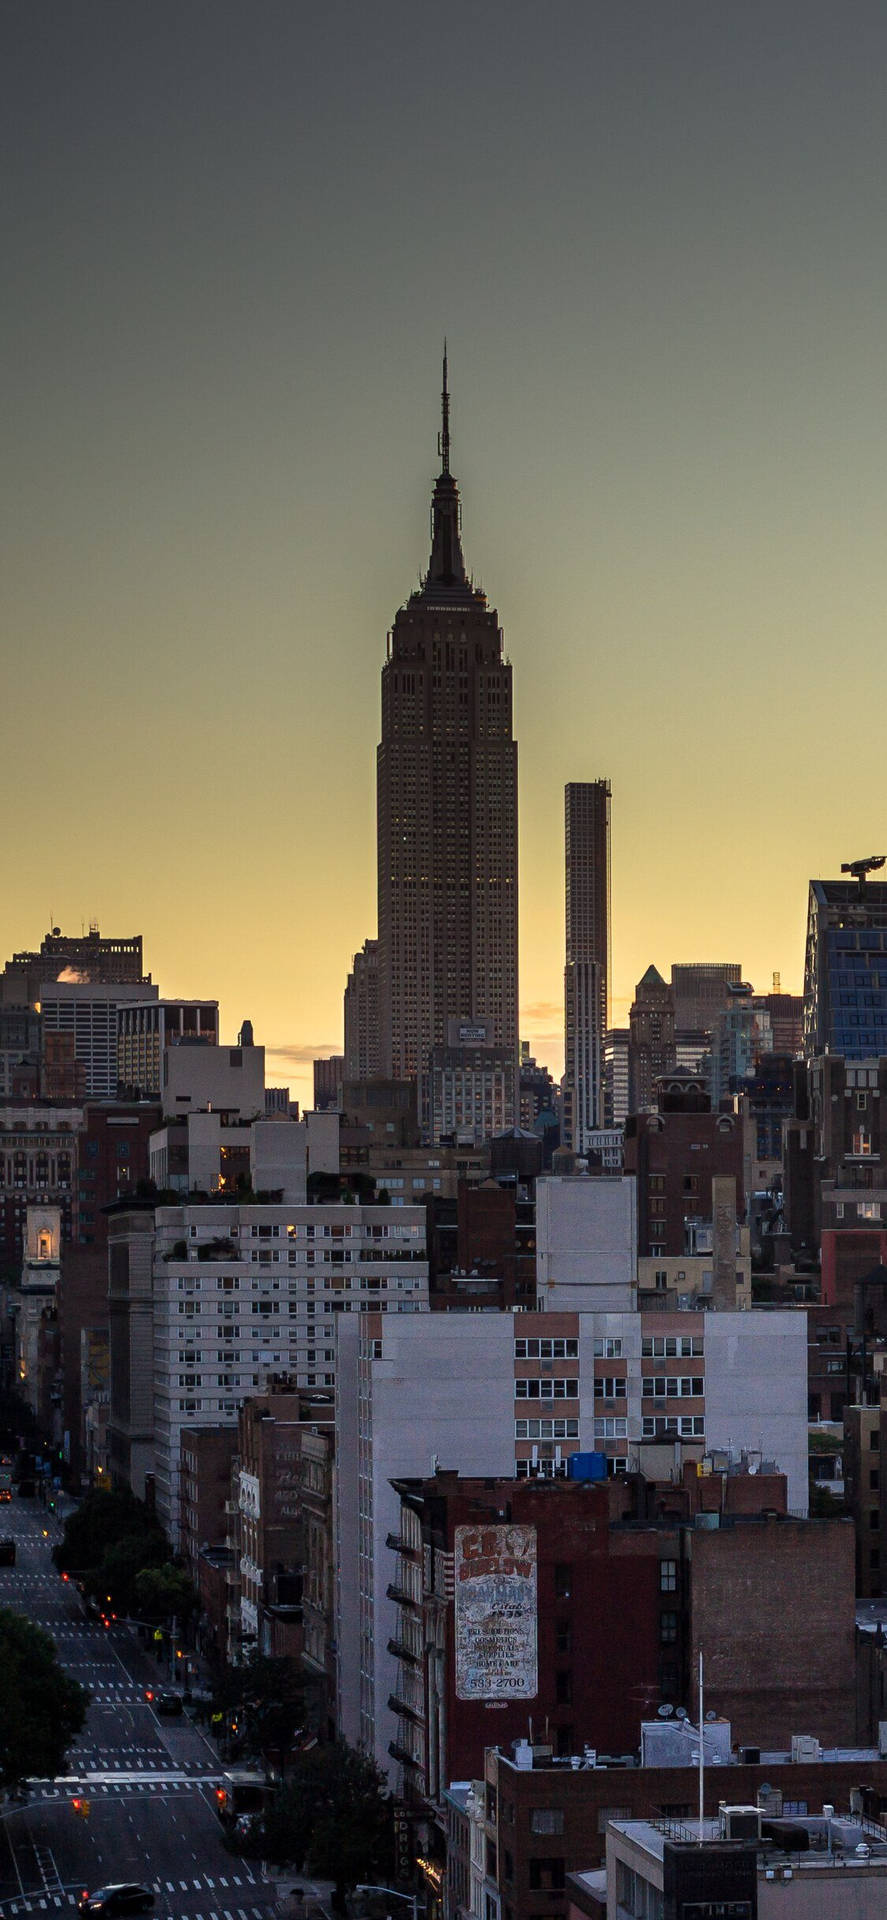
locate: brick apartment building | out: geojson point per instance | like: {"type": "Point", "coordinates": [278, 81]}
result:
{"type": "Point", "coordinates": [574, 1609]}
{"type": "Point", "coordinates": [544, 1821]}
{"type": "Point", "coordinates": [676, 1154]}
{"type": "Point", "coordinates": [515, 1398]}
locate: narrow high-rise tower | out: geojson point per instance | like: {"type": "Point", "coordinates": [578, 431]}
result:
{"type": "Point", "coordinates": [586, 974]}
{"type": "Point", "coordinates": [447, 811]}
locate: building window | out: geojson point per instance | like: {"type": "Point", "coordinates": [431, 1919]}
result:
{"type": "Point", "coordinates": [546, 1820]}
{"type": "Point", "coordinates": [668, 1576]}
{"type": "Point", "coordinates": [547, 1874]}
{"type": "Point", "coordinates": [668, 1629]}
{"type": "Point", "coordinates": [563, 1688]}
{"type": "Point", "coordinates": [563, 1580]}
{"type": "Point", "coordinates": [563, 1637]}
{"type": "Point", "coordinates": [609, 1387]}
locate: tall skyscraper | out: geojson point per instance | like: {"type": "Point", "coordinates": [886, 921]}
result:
{"type": "Point", "coordinates": [586, 973]}
{"type": "Point", "coordinates": [447, 811]}
{"type": "Point", "coordinates": [362, 1015]}
{"type": "Point", "coordinates": [845, 975]}
{"type": "Point", "coordinates": [651, 1044]}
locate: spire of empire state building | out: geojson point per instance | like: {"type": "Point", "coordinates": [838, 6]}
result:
{"type": "Point", "coordinates": [446, 568]}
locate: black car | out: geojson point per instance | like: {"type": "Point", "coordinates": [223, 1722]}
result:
{"type": "Point", "coordinates": [168, 1702]}
{"type": "Point", "coordinates": [123, 1897]}
{"type": "Point", "coordinates": [7, 1553]}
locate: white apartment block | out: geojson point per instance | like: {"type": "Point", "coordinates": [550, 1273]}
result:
{"type": "Point", "coordinates": [586, 1243]}
{"type": "Point", "coordinates": [245, 1293]}
{"type": "Point", "coordinates": [515, 1395]}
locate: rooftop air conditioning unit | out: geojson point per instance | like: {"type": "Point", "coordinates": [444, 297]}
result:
{"type": "Point", "coordinates": [740, 1823]}
{"type": "Point", "coordinates": [805, 1746]}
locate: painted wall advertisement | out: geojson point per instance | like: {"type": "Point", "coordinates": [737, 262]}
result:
{"type": "Point", "coordinates": [495, 1605]}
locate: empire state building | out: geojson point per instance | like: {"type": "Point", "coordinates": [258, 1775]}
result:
{"type": "Point", "coordinates": [447, 814]}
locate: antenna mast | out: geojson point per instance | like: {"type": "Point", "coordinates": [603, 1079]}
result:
{"type": "Point", "coordinates": [701, 1750]}
{"type": "Point", "coordinates": [443, 438]}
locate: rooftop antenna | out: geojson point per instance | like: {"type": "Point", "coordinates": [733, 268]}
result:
{"type": "Point", "coordinates": [701, 1749]}
{"type": "Point", "coordinates": [443, 438]}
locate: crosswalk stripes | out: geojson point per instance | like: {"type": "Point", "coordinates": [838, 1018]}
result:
{"type": "Point", "coordinates": [48, 1903]}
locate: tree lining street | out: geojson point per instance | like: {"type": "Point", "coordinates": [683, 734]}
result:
{"type": "Point", "coordinates": [149, 1781]}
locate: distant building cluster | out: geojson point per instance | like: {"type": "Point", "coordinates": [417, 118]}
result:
{"type": "Point", "coordinates": [544, 1425]}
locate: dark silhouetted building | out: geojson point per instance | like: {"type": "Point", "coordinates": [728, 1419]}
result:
{"type": "Point", "coordinates": [82, 957]}
{"type": "Point", "coordinates": [362, 1015]}
{"type": "Point", "coordinates": [700, 991]}
{"type": "Point", "coordinates": [587, 951]}
{"type": "Point", "coordinates": [328, 1076]}
{"type": "Point", "coordinates": [447, 812]}
{"type": "Point", "coordinates": [651, 1042]}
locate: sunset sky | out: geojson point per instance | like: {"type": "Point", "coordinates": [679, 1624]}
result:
{"type": "Point", "coordinates": [233, 237]}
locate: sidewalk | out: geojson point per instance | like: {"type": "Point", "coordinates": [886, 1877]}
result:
{"type": "Point", "coordinates": [299, 1898]}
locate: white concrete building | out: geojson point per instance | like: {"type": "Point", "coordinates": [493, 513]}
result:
{"type": "Point", "coordinates": [228, 1080]}
{"type": "Point", "coordinates": [586, 1243]}
{"type": "Point", "coordinates": [515, 1395]}
{"type": "Point", "coordinates": [209, 1153]}
{"type": "Point", "coordinates": [243, 1294]}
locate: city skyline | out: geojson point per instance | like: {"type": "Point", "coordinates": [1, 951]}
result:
{"type": "Point", "coordinates": [655, 247]}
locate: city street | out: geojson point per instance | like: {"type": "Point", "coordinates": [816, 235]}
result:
{"type": "Point", "coordinates": [150, 1782]}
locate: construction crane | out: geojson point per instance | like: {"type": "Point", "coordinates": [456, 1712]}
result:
{"type": "Point", "coordinates": [859, 868]}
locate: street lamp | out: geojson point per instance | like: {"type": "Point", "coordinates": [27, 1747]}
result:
{"type": "Point", "coordinates": [412, 1899]}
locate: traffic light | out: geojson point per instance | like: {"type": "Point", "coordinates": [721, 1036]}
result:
{"type": "Point", "coordinates": [221, 1797]}
{"type": "Point", "coordinates": [149, 1694]}
{"type": "Point", "coordinates": [80, 1806]}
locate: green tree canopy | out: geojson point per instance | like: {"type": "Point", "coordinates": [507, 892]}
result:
{"type": "Point", "coordinates": [107, 1542]}
{"type": "Point", "coordinates": [41, 1707]}
{"type": "Point", "coordinates": [333, 1817]}
{"type": "Point", "coordinates": [164, 1591]}
{"type": "Point", "coordinates": [266, 1693]}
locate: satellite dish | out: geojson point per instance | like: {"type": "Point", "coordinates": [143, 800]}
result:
{"type": "Point", "coordinates": [665, 1711]}
{"type": "Point", "coordinates": [711, 1715]}
{"type": "Point", "coordinates": [682, 1713]}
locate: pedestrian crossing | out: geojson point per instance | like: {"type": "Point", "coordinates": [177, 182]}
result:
{"type": "Point", "coordinates": [67, 1903]}
{"type": "Point", "coordinates": [135, 1759]}
{"type": "Point", "coordinates": [226, 1889]}
{"type": "Point", "coordinates": [117, 1778]}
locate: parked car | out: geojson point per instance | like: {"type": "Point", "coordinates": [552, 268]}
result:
{"type": "Point", "coordinates": [7, 1553]}
{"type": "Point", "coordinates": [123, 1897]}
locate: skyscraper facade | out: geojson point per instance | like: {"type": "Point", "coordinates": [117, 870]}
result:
{"type": "Point", "coordinates": [586, 973]}
{"type": "Point", "coordinates": [845, 974]}
{"type": "Point", "coordinates": [651, 1044]}
{"type": "Point", "coordinates": [447, 812]}
{"type": "Point", "coordinates": [362, 1015]}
